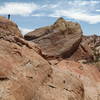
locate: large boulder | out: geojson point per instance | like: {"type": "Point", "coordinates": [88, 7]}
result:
{"type": "Point", "coordinates": [58, 40]}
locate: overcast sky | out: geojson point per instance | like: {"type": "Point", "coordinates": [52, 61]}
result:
{"type": "Point", "coordinates": [32, 14]}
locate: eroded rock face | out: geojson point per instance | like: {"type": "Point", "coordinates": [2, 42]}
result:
{"type": "Point", "coordinates": [58, 40]}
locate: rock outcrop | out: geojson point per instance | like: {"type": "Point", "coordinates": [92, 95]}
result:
{"type": "Point", "coordinates": [8, 29]}
{"type": "Point", "coordinates": [58, 40]}
{"type": "Point", "coordinates": [64, 40]}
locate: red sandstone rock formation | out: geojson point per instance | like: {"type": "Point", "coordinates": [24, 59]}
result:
{"type": "Point", "coordinates": [26, 75]}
